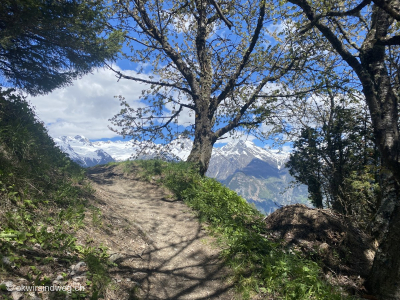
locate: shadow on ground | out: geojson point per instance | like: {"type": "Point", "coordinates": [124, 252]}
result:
{"type": "Point", "coordinates": [160, 249]}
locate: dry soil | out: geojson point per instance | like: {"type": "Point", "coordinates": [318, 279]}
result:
{"type": "Point", "coordinates": [160, 248]}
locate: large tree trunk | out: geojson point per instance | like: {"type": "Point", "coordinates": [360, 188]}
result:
{"type": "Point", "coordinates": [388, 202]}
{"type": "Point", "coordinates": [371, 67]}
{"type": "Point", "coordinates": [204, 137]}
{"type": "Point", "coordinates": [203, 143]}
{"type": "Point", "coordinates": [384, 280]}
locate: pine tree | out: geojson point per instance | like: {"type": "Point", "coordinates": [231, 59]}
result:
{"type": "Point", "coordinates": [46, 44]}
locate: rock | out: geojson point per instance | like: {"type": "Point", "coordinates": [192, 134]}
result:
{"type": "Point", "coordinates": [79, 265]}
{"type": "Point", "coordinates": [60, 278]}
{"type": "Point", "coordinates": [32, 296]}
{"type": "Point", "coordinates": [17, 295]}
{"type": "Point", "coordinates": [79, 278]}
{"type": "Point", "coordinates": [323, 247]}
{"type": "Point", "coordinates": [9, 284]}
{"type": "Point", "coordinates": [114, 257]}
{"type": "Point", "coordinates": [7, 261]}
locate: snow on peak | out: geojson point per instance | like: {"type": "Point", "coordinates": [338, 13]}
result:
{"type": "Point", "coordinates": [80, 148]}
{"type": "Point", "coordinates": [248, 150]}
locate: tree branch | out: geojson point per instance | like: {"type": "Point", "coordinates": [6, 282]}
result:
{"type": "Point", "coordinates": [221, 15]}
{"type": "Point", "coordinates": [232, 80]}
{"type": "Point", "coordinates": [389, 41]}
{"type": "Point", "coordinates": [352, 12]}
{"type": "Point", "coordinates": [293, 95]}
{"type": "Point", "coordinates": [236, 119]}
{"type": "Point", "coordinates": [152, 31]}
{"type": "Point", "coordinates": [173, 85]}
{"type": "Point", "coordinates": [154, 129]}
{"type": "Point", "coordinates": [331, 37]}
{"type": "Point", "coordinates": [171, 118]}
{"type": "Point", "coordinates": [391, 10]}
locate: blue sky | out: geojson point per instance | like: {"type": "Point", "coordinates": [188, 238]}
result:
{"type": "Point", "coordinates": [85, 107]}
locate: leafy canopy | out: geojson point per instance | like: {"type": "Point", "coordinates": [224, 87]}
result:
{"type": "Point", "coordinates": [212, 66]}
{"type": "Point", "coordinates": [46, 44]}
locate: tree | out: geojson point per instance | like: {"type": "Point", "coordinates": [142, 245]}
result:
{"type": "Point", "coordinates": [46, 44]}
{"type": "Point", "coordinates": [201, 68]}
{"type": "Point", "coordinates": [305, 164]}
{"type": "Point", "coordinates": [337, 159]}
{"type": "Point", "coordinates": [365, 34]}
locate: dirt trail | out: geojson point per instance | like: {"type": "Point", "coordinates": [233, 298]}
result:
{"type": "Point", "coordinates": [158, 243]}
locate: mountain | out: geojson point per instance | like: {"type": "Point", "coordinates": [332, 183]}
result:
{"type": "Point", "coordinates": [88, 154]}
{"type": "Point", "coordinates": [83, 151]}
{"type": "Point", "coordinates": [255, 173]}
{"type": "Point", "coordinates": [238, 155]}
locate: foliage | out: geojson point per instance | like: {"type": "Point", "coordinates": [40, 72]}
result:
{"type": "Point", "coordinates": [209, 80]}
{"type": "Point", "coordinates": [259, 265]}
{"type": "Point", "coordinates": [365, 35]}
{"type": "Point", "coordinates": [305, 164]}
{"type": "Point", "coordinates": [339, 162]}
{"type": "Point", "coordinates": [46, 44]}
{"type": "Point", "coordinates": [42, 197]}
{"type": "Point", "coordinates": [26, 147]}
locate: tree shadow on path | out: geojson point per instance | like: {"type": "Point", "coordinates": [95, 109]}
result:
{"type": "Point", "coordinates": [174, 257]}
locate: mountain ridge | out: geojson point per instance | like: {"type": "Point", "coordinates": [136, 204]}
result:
{"type": "Point", "coordinates": [255, 173]}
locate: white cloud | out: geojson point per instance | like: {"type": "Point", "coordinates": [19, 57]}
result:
{"type": "Point", "coordinates": [286, 148]}
{"type": "Point", "coordinates": [231, 137]}
{"type": "Point", "coordinates": [85, 107]}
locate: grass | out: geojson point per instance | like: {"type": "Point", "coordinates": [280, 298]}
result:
{"type": "Point", "coordinates": [42, 204]}
{"type": "Point", "coordinates": [49, 221]}
{"type": "Point", "coordinates": [259, 265]}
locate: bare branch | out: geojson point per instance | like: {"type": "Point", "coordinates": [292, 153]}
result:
{"type": "Point", "coordinates": [391, 10]}
{"type": "Point", "coordinates": [221, 15]}
{"type": "Point", "coordinates": [174, 85]}
{"type": "Point", "coordinates": [389, 41]}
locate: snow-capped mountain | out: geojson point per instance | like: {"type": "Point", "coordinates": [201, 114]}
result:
{"type": "Point", "coordinates": [87, 153]}
{"type": "Point", "coordinates": [83, 151]}
{"type": "Point", "coordinates": [238, 155]}
{"type": "Point", "coordinates": [255, 173]}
